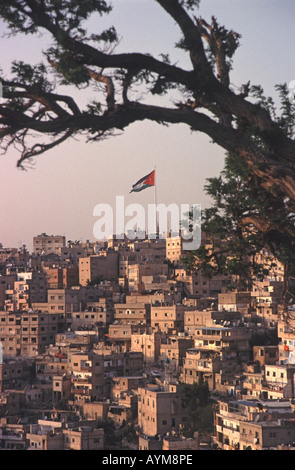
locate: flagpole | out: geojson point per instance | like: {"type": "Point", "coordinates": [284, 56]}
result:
{"type": "Point", "coordinates": [155, 202]}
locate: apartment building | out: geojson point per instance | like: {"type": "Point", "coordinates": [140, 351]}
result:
{"type": "Point", "coordinates": [279, 382]}
{"type": "Point", "coordinates": [196, 284]}
{"type": "Point", "coordinates": [124, 385]}
{"type": "Point", "coordinates": [67, 301]}
{"type": "Point", "coordinates": [48, 244]}
{"type": "Point", "coordinates": [173, 349]}
{"type": "Point", "coordinates": [120, 335]}
{"type": "Point", "coordinates": [87, 371]}
{"type": "Point", "coordinates": [29, 287]}
{"type": "Point", "coordinates": [6, 286]}
{"type": "Point", "coordinates": [13, 437]}
{"type": "Point", "coordinates": [266, 354]}
{"type": "Point", "coordinates": [220, 338]}
{"type": "Point", "coordinates": [166, 317]}
{"type": "Point", "coordinates": [133, 313]}
{"type": "Point", "coordinates": [83, 438]}
{"type": "Point", "coordinates": [149, 345]}
{"type": "Point", "coordinates": [97, 268]}
{"type": "Point", "coordinates": [200, 365]}
{"type": "Point", "coordinates": [208, 317]}
{"type": "Point", "coordinates": [146, 269]}
{"type": "Point", "coordinates": [160, 409]}
{"type": "Point", "coordinates": [93, 314]}
{"type": "Point", "coordinates": [52, 435]}
{"type": "Point", "coordinates": [174, 249]}
{"type": "Point", "coordinates": [62, 277]}
{"type": "Point", "coordinates": [27, 334]}
{"type": "Point", "coordinates": [235, 301]}
{"type": "Point", "coordinates": [286, 346]}
{"type": "Point", "coordinates": [253, 424]}
{"type": "Point", "coordinates": [15, 373]}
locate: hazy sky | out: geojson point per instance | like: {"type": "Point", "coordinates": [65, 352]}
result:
{"type": "Point", "coordinates": [58, 196]}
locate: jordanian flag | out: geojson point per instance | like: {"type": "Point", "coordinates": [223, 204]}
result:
{"type": "Point", "coordinates": [145, 182]}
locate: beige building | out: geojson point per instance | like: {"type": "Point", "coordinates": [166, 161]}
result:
{"type": "Point", "coordinates": [27, 334]}
{"type": "Point", "coordinates": [168, 317]}
{"type": "Point", "coordinates": [15, 373]}
{"type": "Point", "coordinates": [97, 411]}
{"type": "Point", "coordinates": [196, 318]}
{"type": "Point", "coordinates": [173, 349]}
{"type": "Point", "coordinates": [29, 287]}
{"type": "Point", "coordinates": [48, 244]}
{"type": "Point", "coordinates": [62, 277]}
{"type": "Point", "coordinates": [174, 249]}
{"type": "Point", "coordinates": [200, 365]}
{"type": "Point", "coordinates": [123, 385]}
{"type": "Point", "coordinates": [87, 371]}
{"type": "Point", "coordinates": [6, 285]}
{"type": "Point", "coordinates": [224, 339]}
{"type": "Point", "coordinates": [98, 268]}
{"type": "Point", "coordinates": [94, 313]}
{"type": "Point", "coordinates": [253, 424]}
{"type": "Point", "coordinates": [160, 409]}
{"type": "Point", "coordinates": [235, 301]}
{"type": "Point", "coordinates": [119, 335]}
{"type": "Point", "coordinates": [147, 344]}
{"type": "Point", "coordinates": [266, 354]}
{"type": "Point", "coordinates": [279, 382]}
{"type": "Point", "coordinates": [133, 313]}
{"type": "Point", "coordinates": [146, 270]}
{"type": "Point", "coordinates": [83, 438]}
{"type": "Point", "coordinates": [286, 346]}
{"type": "Point", "coordinates": [196, 284]}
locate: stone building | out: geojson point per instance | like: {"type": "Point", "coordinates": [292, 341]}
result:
{"type": "Point", "coordinates": [48, 244]}
{"type": "Point", "coordinates": [97, 268]}
{"type": "Point", "coordinates": [28, 333]}
{"type": "Point", "coordinates": [160, 409]}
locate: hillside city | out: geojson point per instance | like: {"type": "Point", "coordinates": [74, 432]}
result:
{"type": "Point", "coordinates": [117, 345]}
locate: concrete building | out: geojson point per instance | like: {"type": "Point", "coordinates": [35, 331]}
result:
{"type": "Point", "coordinates": [165, 317]}
{"type": "Point", "coordinates": [83, 438]}
{"type": "Point", "coordinates": [147, 344]}
{"type": "Point", "coordinates": [266, 354]}
{"type": "Point", "coordinates": [201, 365]}
{"type": "Point", "coordinates": [160, 409]}
{"type": "Point", "coordinates": [174, 250]}
{"type": "Point", "coordinates": [235, 301]}
{"type": "Point", "coordinates": [173, 349]}
{"type": "Point", "coordinates": [286, 346]}
{"type": "Point", "coordinates": [62, 277]}
{"type": "Point", "coordinates": [15, 373]}
{"type": "Point", "coordinates": [222, 338]}
{"type": "Point", "coordinates": [134, 313]}
{"type": "Point", "coordinates": [253, 424]}
{"type": "Point", "coordinates": [48, 244]}
{"type": "Point", "coordinates": [97, 268]}
{"type": "Point", "coordinates": [87, 370]}
{"type": "Point", "coordinates": [146, 269]}
{"type": "Point", "coordinates": [27, 334]}
{"type": "Point", "coordinates": [197, 285]}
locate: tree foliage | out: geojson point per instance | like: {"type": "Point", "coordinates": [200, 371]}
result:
{"type": "Point", "coordinates": [243, 122]}
{"type": "Point", "coordinates": [196, 399]}
{"type": "Point", "coordinates": [243, 222]}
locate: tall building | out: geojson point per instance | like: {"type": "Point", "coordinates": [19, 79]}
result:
{"type": "Point", "coordinates": [47, 244]}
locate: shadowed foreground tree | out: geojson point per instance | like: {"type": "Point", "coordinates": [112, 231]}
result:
{"type": "Point", "coordinates": [196, 398]}
{"type": "Point", "coordinates": [209, 104]}
{"type": "Point", "coordinates": [33, 107]}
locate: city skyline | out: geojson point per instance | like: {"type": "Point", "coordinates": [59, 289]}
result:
{"type": "Point", "coordinates": [59, 194]}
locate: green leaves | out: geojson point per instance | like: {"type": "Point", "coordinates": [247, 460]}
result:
{"type": "Point", "coordinates": [31, 75]}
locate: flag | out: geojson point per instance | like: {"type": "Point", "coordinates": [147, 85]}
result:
{"type": "Point", "coordinates": [146, 182]}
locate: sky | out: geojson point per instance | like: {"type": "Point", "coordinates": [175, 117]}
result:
{"type": "Point", "coordinates": [58, 195]}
